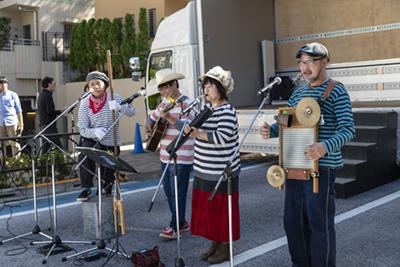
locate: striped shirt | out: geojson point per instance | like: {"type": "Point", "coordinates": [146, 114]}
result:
{"type": "Point", "coordinates": [339, 124]}
{"type": "Point", "coordinates": [185, 153]}
{"type": "Point", "coordinates": [87, 121]}
{"type": "Point", "coordinates": [210, 157]}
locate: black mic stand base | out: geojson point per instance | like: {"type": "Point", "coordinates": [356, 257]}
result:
{"type": "Point", "coordinates": [179, 262]}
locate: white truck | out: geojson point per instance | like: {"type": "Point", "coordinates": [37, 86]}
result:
{"type": "Point", "coordinates": [209, 33]}
{"type": "Point", "coordinates": [240, 36]}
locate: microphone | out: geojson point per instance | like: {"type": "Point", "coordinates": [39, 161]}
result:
{"type": "Point", "coordinates": [192, 105]}
{"type": "Point", "coordinates": [197, 122]}
{"type": "Point", "coordinates": [86, 94]}
{"type": "Point", "coordinates": [275, 82]}
{"type": "Point", "coordinates": [130, 99]}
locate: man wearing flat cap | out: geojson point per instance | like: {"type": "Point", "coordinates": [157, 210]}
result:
{"type": "Point", "coordinates": [168, 87]}
{"type": "Point", "coordinates": [11, 121]}
{"type": "Point", "coordinates": [308, 216]}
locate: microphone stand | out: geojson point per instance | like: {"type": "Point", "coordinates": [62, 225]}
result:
{"type": "Point", "coordinates": [36, 229]}
{"type": "Point", "coordinates": [98, 142]}
{"type": "Point", "coordinates": [55, 240]}
{"type": "Point", "coordinates": [227, 174]}
{"type": "Point", "coordinates": [179, 260]}
{"type": "Point", "coordinates": [166, 167]}
{"type": "Point", "coordinates": [72, 125]}
{"type": "Point", "coordinates": [101, 243]}
{"type": "Point", "coordinates": [177, 142]}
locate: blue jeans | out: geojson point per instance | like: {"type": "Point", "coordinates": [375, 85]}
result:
{"type": "Point", "coordinates": [309, 220]}
{"type": "Point", "coordinates": [169, 189]}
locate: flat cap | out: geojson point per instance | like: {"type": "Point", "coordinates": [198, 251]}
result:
{"type": "Point", "coordinates": [97, 75]}
{"type": "Point", "coordinates": [314, 50]}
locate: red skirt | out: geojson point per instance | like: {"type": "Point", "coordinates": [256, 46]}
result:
{"type": "Point", "coordinates": [210, 219]}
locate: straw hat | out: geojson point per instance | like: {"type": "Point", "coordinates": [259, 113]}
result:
{"type": "Point", "coordinates": [221, 75]}
{"type": "Point", "coordinates": [167, 75]}
{"type": "Point", "coordinates": [152, 82]}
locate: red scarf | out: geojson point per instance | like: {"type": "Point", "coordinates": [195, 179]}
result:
{"type": "Point", "coordinates": [95, 104]}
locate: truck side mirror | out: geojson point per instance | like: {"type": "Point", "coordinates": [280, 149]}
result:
{"type": "Point", "coordinates": [134, 63]}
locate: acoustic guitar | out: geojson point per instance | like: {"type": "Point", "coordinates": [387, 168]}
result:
{"type": "Point", "coordinates": [157, 133]}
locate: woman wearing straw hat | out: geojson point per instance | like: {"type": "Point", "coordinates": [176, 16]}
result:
{"type": "Point", "coordinates": [94, 118]}
{"type": "Point", "coordinates": [215, 142]}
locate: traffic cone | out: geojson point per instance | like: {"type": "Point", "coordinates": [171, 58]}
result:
{"type": "Point", "coordinates": [138, 142]}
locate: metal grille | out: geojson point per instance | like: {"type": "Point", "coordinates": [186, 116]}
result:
{"type": "Point", "coordinates": [54, 46]}
{"type": "Point", "coordinates": [67, 35]}
{"type": "Point", "coordinates": [152, 22]}
{"type": "Point", "coordinates": [294, 143]}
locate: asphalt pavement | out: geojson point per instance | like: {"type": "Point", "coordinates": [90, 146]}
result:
{"type": "Point", "coordinates": [367, 226]}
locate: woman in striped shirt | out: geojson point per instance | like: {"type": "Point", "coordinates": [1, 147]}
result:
{"type": "Point", "coordinates": [94, 119]}
{"type": "Point", "coordinates": [215, 142]}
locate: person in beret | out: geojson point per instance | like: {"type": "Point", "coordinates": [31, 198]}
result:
{"type": "Point", "coordinates": [94, 119]}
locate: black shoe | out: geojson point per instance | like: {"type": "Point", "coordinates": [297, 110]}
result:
{"type": "Point", "coordinates": [84, 195]}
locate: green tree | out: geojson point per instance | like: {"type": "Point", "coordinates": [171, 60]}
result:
{"type": "Point", "coordinates": [72, 51]}
{"type": "Point", "coordinates": [128, 42]}
{"type": "Point", "coordinates": [104, 41]}
{"type": "Point", "coordinates": [5, 31]}
{"type": "Point", "coordinates": [115, 37]}
{"type": "Point", "coordinates": [96, 36]}
{"type": "Point", "coordinates": [142, 41]}
{"type": "Point", "coordinates": [78, 56]}
{"type": "Point", "coordinates": [91, 46]}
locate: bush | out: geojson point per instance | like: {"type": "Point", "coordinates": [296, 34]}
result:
{"type": "Point", "coordinates": [5, 31]}
{"type": "Point", "coordinates": [43, 174]}
{"type": "Point", "coordinates": [91, 39]}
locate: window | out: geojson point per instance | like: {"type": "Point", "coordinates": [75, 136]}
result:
{"type": "Point", "coordinates": [158, 61]}
{"type": "Point", "coordinates": [152, 22]}
{"type": "Point", "coordinates": [67, 35]}
{"type": "Point", "coordinates": [133, 18]}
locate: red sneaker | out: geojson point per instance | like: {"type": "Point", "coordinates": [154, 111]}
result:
{"type": "Point", "coordinates": [185, 227]}
{"type": "Point", "coordinates": [170, 233]}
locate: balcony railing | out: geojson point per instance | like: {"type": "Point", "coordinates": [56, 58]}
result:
{"type": "Point", "coordinates": [19, 41]}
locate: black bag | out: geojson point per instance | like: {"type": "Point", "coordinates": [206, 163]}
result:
{"type": "Point", "coordinates": [149, 258]}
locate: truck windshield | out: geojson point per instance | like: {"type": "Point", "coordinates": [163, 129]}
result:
{"type": "Point", "coordinates": [158, 61]}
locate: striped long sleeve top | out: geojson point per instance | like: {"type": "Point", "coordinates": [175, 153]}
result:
{"type": "Point", "coordinates": [211, 156]}
{"type": "Point", "coordinates": [185, 153]}
{"type": "Point", "coordinates": [339, 124]}
{"type": "Point", "coordinates": [87, 121]}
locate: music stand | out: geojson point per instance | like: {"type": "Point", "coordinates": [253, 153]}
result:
{"type": "Point", "coordinates": [109, 160]}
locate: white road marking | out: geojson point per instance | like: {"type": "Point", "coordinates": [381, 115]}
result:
{"type": "Point", "coordinates": [257, 251]}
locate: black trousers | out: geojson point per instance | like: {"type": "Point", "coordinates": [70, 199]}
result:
{"type": "Point", "coordinates": [107, 174]}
